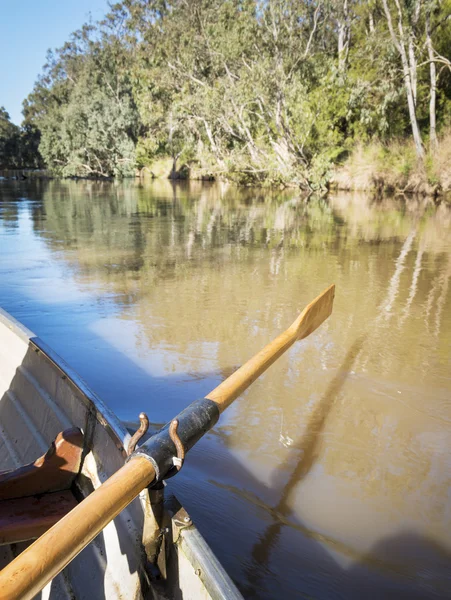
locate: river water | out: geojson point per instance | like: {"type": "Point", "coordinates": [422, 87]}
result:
{"type": "Point", "coordinates": [331, 476]}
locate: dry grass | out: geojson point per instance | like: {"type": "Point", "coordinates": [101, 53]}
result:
{"type": "Point", "coordinates": [440, 166]}
{"type": "Point", "coordinates": [394, 167]}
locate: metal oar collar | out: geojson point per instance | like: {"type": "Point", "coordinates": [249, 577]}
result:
{"type": "Point", "coordinates": [167, 448]}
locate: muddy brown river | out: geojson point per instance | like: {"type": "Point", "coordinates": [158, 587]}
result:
{"type": "Point", "coordinates": [331, 477]}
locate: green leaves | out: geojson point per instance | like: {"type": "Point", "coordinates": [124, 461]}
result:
{"type": "Point", "coordinates": [267, 91]}
{"type": "Point", "coordinates": [18, 145]}
{"type": "Point", "coordinates": [84, 107]}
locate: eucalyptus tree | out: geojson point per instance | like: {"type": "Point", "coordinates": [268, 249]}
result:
{"type": "Point", "coordinates": [84, 107]}
{"type": "Point", "coordinates": [9, 141]}
{"type": "Point", "coordinates": [402, 20]}
{"type": "Point", "coordinates": [416, 27]}
{"type": "Point", "coordinates": [437, 34]}
{"type": "Point", "coordinates": [234, 79]}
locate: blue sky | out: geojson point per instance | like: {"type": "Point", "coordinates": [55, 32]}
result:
{"type": "Point", "coordinates": [28, 28]}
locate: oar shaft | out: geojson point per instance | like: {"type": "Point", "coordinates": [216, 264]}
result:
{"type": "Point", "coordinates": [310, 319]}
{"type": "Point", "coordinates": [233, 386]}
{"type": "Point", "coordinates": [48, 555]}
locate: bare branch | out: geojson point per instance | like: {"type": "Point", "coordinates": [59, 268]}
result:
{"type": "Point", "coordinates": [312, 32]}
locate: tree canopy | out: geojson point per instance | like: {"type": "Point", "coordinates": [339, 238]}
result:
{"type": "Point", "coordinates": [250, 90]}
{"type": "Point", "coordinates": [18, 145]}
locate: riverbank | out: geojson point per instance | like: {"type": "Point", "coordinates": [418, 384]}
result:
{"type": "Point", "coordinates": [394, 168]}
{"type": "Point", "coordinates": [375, 167]}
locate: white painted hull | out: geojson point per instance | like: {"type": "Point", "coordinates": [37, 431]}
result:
{"type": "Point", "coordinates": [39, 397]}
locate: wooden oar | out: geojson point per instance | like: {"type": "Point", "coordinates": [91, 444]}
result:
{"type": "Point", "coordinates": [25, 576]}
{"type": "Point", "coordinates": [310, 319]}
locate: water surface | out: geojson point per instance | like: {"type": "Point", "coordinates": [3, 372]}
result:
{"type": "Point", "coordinates": [331, 477]}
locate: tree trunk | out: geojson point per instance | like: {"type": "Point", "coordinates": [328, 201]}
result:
{"type": "Point", "coordinates": [174, 168]}
{"type": "Point", "coordinates": [412, 57]}
{"type": "Point", "coordinates": [399, 44]}
{"type": "Point", "coordinates": [433, 87]}
{"type": "Point", "coordinates": [412, 112]}
{"type": "Point", "coordinates": [413, 69]}
{"type": "Point", "coordinates": [343, 37]}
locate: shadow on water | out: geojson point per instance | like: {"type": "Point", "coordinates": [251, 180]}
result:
{"type": "Point", "coordinates": [308, 446]}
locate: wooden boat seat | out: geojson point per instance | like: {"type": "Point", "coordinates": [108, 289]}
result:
{"type": "Point", "coordinates": [34, 497]}
{"type": "Point", "coordinates": [27, 518]}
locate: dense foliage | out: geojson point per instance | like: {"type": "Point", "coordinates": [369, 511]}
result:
{"type": "Point", "coordinates": [252, 90]}
{"type": "Point", "coordinates": [18, 145]}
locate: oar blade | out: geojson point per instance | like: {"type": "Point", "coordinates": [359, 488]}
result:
{"type": "Point", "coordinates": [310, 319]}
{"type": "Point", "coordinates": [315, 313]}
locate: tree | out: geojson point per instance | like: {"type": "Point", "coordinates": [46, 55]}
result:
{"type": "Point", "coordinates": [84, 108]}
{"type": "Point", "coordinates": [404, 40]}
{"type": "Point", "coordinates": [9, 141]}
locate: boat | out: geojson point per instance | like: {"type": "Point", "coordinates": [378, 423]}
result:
{"type": "Point", "coordinates": [42, 397]}
{"type": "Point", "coordinates": [104, 523]}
